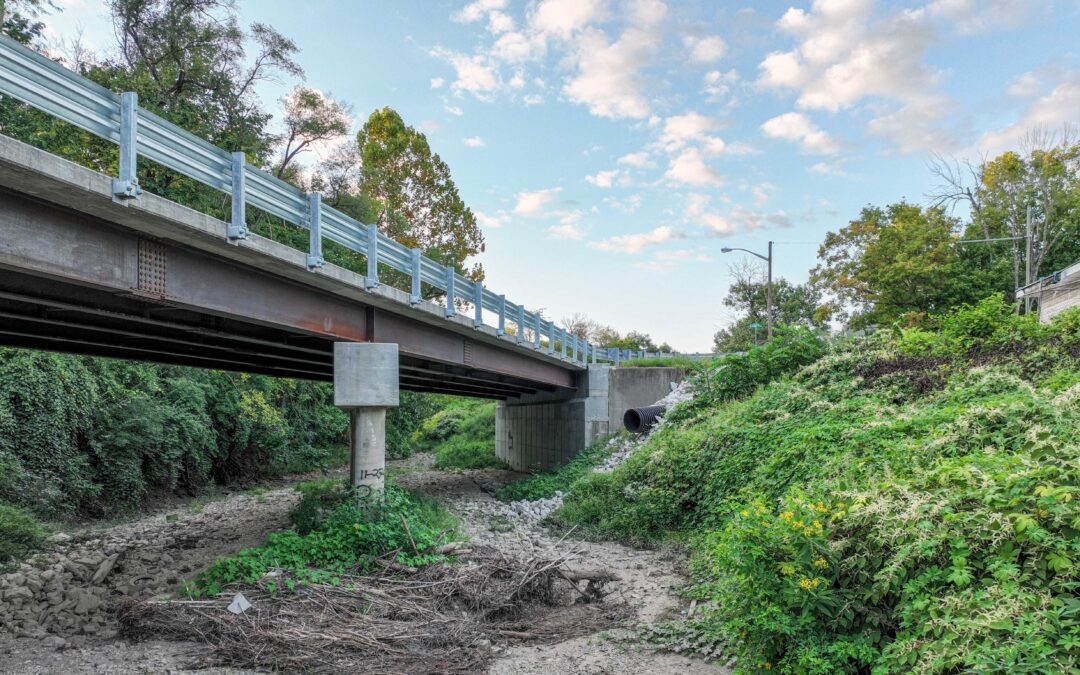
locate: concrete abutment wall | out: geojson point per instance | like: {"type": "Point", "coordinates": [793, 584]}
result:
{"type": "Point", "coordinates": [541, 434]}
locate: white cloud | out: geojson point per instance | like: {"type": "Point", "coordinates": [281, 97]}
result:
{"type": "Point", "coordinates": [636, 243]}
{"type": "Point", "coordinates": [563, 18]}
{"type": "Point", "coordinates": [761, 193]}
{"type": "Point", "coordinates": [611, 178]}
{"type": "Point", "coordinates": [718, 85]}
{"type": "Point", "coordinates": [518, 80]}
{"type": "Point", "coordinates": [755, 220]}
{"type": "Point", "coordinates": [705, 50]}
{"type": "Point", "coordinates": [437, 82]}
{"type": "Point", "coordinates": [475, 11]}
{"type": "Point", "coordinates": [492, 222]}
{"type": "Point", "coordinates": [845, 57]}
{"type": "Point", "coordinates": [976, 16]}
{"type": "Point", "coordinates": [569, 227]}
{"type": "Point", "coordinates": [609, 79]}
{"type": "Point", "coordinates": [798, 128]}
{"type": "Point", "coordinates": [696, 212]}
{"type": "Point", "coordinates": [516, 47]}
{"type": "Point", "coordinates": [627, 206]}
{"type": "Point", "coordinates": [473, 142]}
{"type": "Point", "coordinates": [679, 130]}
{"type": "Point", "coordinates": [639, 160]}
{"type": "Point", "coordinates": [454, 110]}
{"type": "Point", "coordinates": [689, 168]}
{"type": "Point", "coordinates": [646, 12]}
{"type": "Point", "coordinates": [530, 203]}
{"type": "Point", "coordinates": [474, 73]}
{"type": "Point", "coordinates": [533, 99]}
{"type": "Point", "coordinates": [1051, 111]}
{"type": "Point", "coordinates": [500, 22]}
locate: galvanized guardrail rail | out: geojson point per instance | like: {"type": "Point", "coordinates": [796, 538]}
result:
{"type": "Point", "coordinates": [48, 86]}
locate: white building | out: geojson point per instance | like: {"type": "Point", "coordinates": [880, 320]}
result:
{"type": "Point", "coordinates": [1055, 293]}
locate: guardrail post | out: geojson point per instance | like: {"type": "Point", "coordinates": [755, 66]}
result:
{"type": "Point", "coordinates": [127, 185]}
{"type": "Point", "coordinates": [521, 324]}
{"type": "Point", "coordinates": [594, 350]}
{"type": "Point", "coordinates": [502, 315]}
{"type": "Point", "coordinates": [551, 338]}
{"type": "Point", "coordinates": [237, 228]}
{"type": "Point", "coordinates": [478, 302]}
{"type": "Point", "coordinates": [315, 257]}
{"type": "Point", "coordinates": [563, 341]}
{"type": "Point", "coordinates": [573, 348]}
{"type": "Point", "coordinates": [618, 357]}
{"type": "Point", "coordinates": [372, 279]}
{"type": "Point", "coordinates": [414, 297]}
{"type": "Point", "coordinates": [450, 311]}
{"type": "Point", "coordinates": [536, 333]}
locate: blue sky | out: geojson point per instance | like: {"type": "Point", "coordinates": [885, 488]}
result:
{"type": "Point", "coordinates": [611, 148]}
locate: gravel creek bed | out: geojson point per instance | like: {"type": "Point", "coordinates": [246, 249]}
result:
{"type": "Point", "coordinates": [57, 609]}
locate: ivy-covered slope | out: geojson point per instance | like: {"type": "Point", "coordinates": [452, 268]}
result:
{"type": "Point", "coordinates": [907, 503]}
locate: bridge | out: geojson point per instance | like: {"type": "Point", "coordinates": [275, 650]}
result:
{"type": "Point", "coordinates": [92, 264]}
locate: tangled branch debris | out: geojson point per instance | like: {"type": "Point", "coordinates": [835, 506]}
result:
{"type": "Point", "coordinates": [442, 618]}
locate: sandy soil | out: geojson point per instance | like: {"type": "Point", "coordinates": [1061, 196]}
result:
{"type": "Point", "coordinates": [178, 544]}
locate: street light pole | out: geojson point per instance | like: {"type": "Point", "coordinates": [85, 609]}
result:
{"type": "Point", "coordinates": [768, 285]}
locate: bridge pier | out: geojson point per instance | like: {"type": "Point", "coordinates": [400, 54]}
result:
{"type": "Point", "coordinates": [365, 385]}
{"type": "Point", "coordinates": [545, 431]}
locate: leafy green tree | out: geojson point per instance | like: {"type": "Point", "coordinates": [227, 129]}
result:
{"type": "Point", "coordinates": [310, 117]}
{"type": "Point", "coordinates": [891, 262]}
{"type": "Point", "coordinates": [186, 60]}
{"type": "Point", "coordinates": [414, 195]}
{"type": "Point", "coordinates": [1043, 178]}
{"type": "Point", "coordinates": [19, 19]}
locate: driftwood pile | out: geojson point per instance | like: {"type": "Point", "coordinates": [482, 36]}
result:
{"type": "Point", "coordinates": [441, 618]}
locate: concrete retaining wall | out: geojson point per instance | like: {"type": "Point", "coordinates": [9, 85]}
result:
{"type": "Point", "coordinates": [541, 435]}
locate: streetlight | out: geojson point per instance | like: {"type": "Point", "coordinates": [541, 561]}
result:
{"type": "Point", "coordinates": [768, 286]}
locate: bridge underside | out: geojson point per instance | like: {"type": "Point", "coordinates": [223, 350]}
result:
{"type": "Point", "coordinates": [73, 282]}
{"type": "Point", "coordinates": [39, 313]}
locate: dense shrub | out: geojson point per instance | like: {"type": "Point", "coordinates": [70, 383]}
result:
{"type": "Point", "coordinates": [404, 421]}
{"type": "Point", "coordinates": [82, 435]}
{"type": "Point", "coordinates": [462, 435]}
{"type": "Point", "coordinates": [20, 534]}
{"type": "Point", "coordinates": [404, 527]}
{"type": "Point", "coordinates": [850, 519]}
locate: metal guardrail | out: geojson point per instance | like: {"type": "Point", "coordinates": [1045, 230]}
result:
{"type": "Point", "coordinates": [48, 86]}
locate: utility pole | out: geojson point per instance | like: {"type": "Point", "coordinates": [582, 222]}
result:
{"type": "Point", "coordinates": [768, 285]}
{"type": "Point", "coordinates": [768, 298]}
{"type": "Point", "coordinates": [1027, 261]}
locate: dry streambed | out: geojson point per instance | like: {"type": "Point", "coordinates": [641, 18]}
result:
{"type": "Point", "coordinates": [510, 610]}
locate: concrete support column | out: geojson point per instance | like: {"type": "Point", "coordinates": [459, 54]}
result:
{"type": "Point", "coordinates": [365, 385]}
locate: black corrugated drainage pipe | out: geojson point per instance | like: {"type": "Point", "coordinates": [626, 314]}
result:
{"type": "Point", "coordinates": [640, 420]}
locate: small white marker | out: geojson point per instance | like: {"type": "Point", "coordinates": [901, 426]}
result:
{"type": "Point", "coordinates": [239, 604]}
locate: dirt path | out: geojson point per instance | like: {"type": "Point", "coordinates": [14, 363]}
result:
{"type": "Point", "coordinates": [62, 624]}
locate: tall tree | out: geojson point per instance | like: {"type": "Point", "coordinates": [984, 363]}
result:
{"type": "Point", "coordinates": [414, 195]}
{"type": "Point", "coordinates": [310, 117]}
{"type": "Point", "coordinates": [889, 262]}
{"type": "Point", "coordinates": [1042, 179]}
{"type": "Point", "coordinates": [186, 60]}
{"type": "Point", "coordinates": [580, 325]}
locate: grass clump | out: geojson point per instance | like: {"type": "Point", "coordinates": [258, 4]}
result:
{"type": "Point", "coordinates": [334, 537]}
{"type": "Point", "coordinates": [907, 503]}
{"type": "Point", "coordinates": [546, 484]}
{"type": "Point", "coordinates": [20, 534]}
{"type": "Point", "coordinates": [462, 435]}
